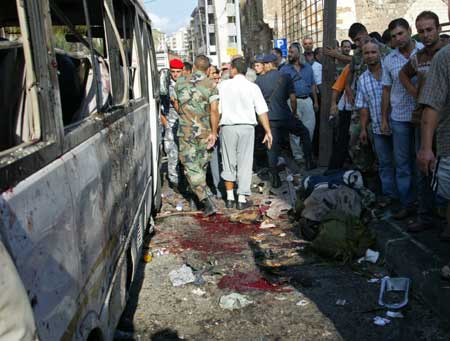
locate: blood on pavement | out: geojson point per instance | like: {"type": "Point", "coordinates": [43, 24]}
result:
{"type": "Point", "coordinates": [249, 281]}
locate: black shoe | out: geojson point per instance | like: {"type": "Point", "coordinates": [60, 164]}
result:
{"type": "Point", "coordinates": [229, 204]}
{"type": "Point", "coordinates": [244, 205]}
{"type": "Point", "coordinates": [208, 207]}
{"type": "Point", "coordinates": [310, 164]}
{"type": "Point", "coordinates": [275, 180]}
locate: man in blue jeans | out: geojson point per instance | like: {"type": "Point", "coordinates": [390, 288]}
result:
{"type": "Point", "coordinates": [368, 102]}
{"type": "Point", "coordinates": [401, 105]}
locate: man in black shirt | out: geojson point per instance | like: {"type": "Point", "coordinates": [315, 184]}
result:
{"type": "Point", "coordinates": [277, 88]}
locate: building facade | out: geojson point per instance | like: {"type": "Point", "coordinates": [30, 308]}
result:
{"type": "Point", "coordinates": [215, 30]}
{"type": "Point", "coordinates": [178, 43]}
{"type": "Point", "coordinates": [305, 17]}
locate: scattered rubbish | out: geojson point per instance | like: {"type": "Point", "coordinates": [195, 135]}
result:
{"type": "Point", "coordinates": [283, 234]}
{"type": "Point", "coordinates": [381, 321]}
{"type": "Point", "coordinates": [371, 256]}
{"type": "Point", "coordinates": [234, 301]}
{"type": "Point", "coordinates": [181, 276]}
{"type": "Point", "coordinates": [277, 208]}
{"type": "Point", "coordinates": [148, 257]}
{"type": "Point", "coordinates": [394, 289]}
{"type": "Point", "coordinates": [266, 224]}
{"type": "Point", "coordinates": [280, 298]}
{"type": "Point", "coordinates": [394, 314]}
{"type": "Point", "coordinates": [373, 280]}
{"type": "Point", "coordinates": [302, 303]}
{"type": "Point", "coordinates": [245, 217]}
{"type": "Point", "coordinates": [341, 302]}
{"type": "Point", "coordinates": [289, 178]}
{"type": "Point", "coordinates": [161, 252]}
{"type": "Point", "coordinates": [198, 292]}
{"type": "Point", "coordinates": [179, 206]}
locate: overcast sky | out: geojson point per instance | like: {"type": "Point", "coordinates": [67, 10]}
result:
{"type": "Point", "coordinates": [170, 15]}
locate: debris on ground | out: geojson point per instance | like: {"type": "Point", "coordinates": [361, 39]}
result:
{"type": "Point", "coordinates": [371, 257]}
{"type": "Point", "coordinates": [179, 207]}
{"type": "Point", "coordinates": [147, 257]}
{"type": "Point", "coordinates": [394, 292]}
{"type": "Point", "coordinates": [198, 292]}
{"type": "Point", "coordinates": [277, 208]}
{"type": "Point", "coordinates": [181, 276]}
{"type": "Point", "coordinates": [302, 303]}
{"type": "Point", "coordinates": [246, 217]}
{"type": "Point", "coordinates": [394, 314]}
{"type": "Point", "coordinates": [341, 302]}
{"type": "Point", "coordinates": [234, 301]}
{"type": "Point", "coordinates": [381, 321]}
{"type": "Point", "coordinates": [266, 224]}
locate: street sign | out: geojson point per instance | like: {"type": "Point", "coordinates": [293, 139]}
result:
{"type": "Point", "coordinates": [282, 45]}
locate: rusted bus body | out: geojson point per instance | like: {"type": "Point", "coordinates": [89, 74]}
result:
{"type": "Point", "coordinates": [78, 190]}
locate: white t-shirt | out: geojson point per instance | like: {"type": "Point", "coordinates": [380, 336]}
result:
{"type": "Point", "coordinates": [239, 100]}
{"type": "Point", "coordinates": [317, 70]}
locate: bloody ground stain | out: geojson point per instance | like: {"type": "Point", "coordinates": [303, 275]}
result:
{"type": "Point", "coordinates": [217, 234]}
{"type": "Point", "coordinates": [249, 281]}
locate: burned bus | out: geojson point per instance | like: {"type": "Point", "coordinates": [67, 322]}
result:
{"type": "Point", "coordinates": [79, 158]}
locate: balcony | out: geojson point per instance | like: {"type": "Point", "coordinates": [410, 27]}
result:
{"type": "Point", "coordinates": [210, 9]}
{"type": "Point", "coordinates": [231, 29]}
{"type": "Point", "coordinates": [211, 28]}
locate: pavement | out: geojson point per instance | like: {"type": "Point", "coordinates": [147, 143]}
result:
{"type": "Point", "coordinates": [294, 294]}
{"type": "Point", "coordinates": [420, 257]}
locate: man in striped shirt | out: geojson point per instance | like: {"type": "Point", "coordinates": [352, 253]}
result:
{"type": "Point", "coordinates": [397, 107]}
{"type": "Point", "coordinates": [368, 102]}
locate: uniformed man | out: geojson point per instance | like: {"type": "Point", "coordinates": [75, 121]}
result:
{"type": "Point", "coordinates": [170, 123]}
{"type": "Point", "coordinates": [197, 101]}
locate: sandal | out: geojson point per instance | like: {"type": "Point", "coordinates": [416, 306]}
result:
{"type": "Point", "coordinates": [445, 272]}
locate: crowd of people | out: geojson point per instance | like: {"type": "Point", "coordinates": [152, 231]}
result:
{"type": "Point", "coordinates": [390, 112]}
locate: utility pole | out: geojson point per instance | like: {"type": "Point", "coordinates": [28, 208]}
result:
{"type": "Point", "coordinates": [328, 77]}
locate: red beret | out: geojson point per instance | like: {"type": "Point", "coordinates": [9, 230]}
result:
{"type": "Point", "coordinates": [176, 64]}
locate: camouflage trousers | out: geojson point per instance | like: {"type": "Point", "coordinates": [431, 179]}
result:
{"type": "Point", "coordinates": [171, 148]}
{"type": "Point", "coordinates": [362, 155]}
{"type": "Point", "coordinates": [195, 158]}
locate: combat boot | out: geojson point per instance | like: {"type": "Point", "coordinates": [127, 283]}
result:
{"type": "Point", "coordinates": [208, 207]}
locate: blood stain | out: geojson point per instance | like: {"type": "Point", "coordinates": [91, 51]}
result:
{"type": "Point", "coordinates": [242, 282]}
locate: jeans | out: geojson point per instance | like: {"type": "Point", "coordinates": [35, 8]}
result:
{"type": "Point", "coordinates": [384, 150]}
{"type": "Point", "coordinates": [280, 129]}
{"type": "Point", "coordinates": [425, 195]}
{"type": "Point", "coordinates": [403, 139]}
{"type": "Point", "coordinates": [306, 114]}
{"type": "Point", "coordinates": [341, 140]}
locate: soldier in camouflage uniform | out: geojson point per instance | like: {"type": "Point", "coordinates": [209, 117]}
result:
{"type": "Point", "coordinates": [362, 156]}
{"type": "Point", "coordinates": [197, 99]}
{"type": "Point", "coordinates": [171, 126]}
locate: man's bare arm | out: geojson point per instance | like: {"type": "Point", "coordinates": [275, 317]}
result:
{"type": "Point", "coordinates": [425, 156]}
{"type": "Point", "coordinates": [405, 79]}
{"type": "Point", "coordinates": [214, 117]}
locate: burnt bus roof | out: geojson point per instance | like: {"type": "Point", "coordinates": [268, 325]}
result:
{"type": "Point", "coordinates": [73, 10]}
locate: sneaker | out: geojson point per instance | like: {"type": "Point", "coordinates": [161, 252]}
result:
{"type": "Point", "coordinates": [244, 205]}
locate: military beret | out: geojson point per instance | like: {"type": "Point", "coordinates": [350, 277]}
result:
{"type": "Point", "coordinates": [176, 64]}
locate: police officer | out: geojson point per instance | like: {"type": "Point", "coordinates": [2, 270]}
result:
{"type": "Point", "coordinates": [197, 101]}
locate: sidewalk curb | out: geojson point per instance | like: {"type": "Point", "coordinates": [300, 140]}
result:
{"type": "Point", "coordinates": [407, 257]}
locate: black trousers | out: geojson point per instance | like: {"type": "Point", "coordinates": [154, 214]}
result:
{"type": "Point", "coordinates": [281, 130]}
{"type": "Point", "coordinates": [341, 139]}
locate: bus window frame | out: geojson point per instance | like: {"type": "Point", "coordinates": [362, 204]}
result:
{"type": "Point", "coordinates": [89, 126]}
{"type": "Point", "coordinates": [25, 159]}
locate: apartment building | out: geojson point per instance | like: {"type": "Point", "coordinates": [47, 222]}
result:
{"type": "Point", "coordinates": [215, 30]}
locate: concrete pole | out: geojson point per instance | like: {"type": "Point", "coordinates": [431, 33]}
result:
{"type": "Point", "coordinates": [328, 76]}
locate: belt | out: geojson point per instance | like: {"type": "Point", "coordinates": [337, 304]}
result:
{"type": "Point", "coordinates": [302, 97]}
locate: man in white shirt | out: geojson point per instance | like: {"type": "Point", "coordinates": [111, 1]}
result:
{"type": "Point", "coordinates": [239, 100]}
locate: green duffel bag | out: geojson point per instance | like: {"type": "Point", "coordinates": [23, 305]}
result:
{"type": "Point", "coordinates": [343, 237]}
